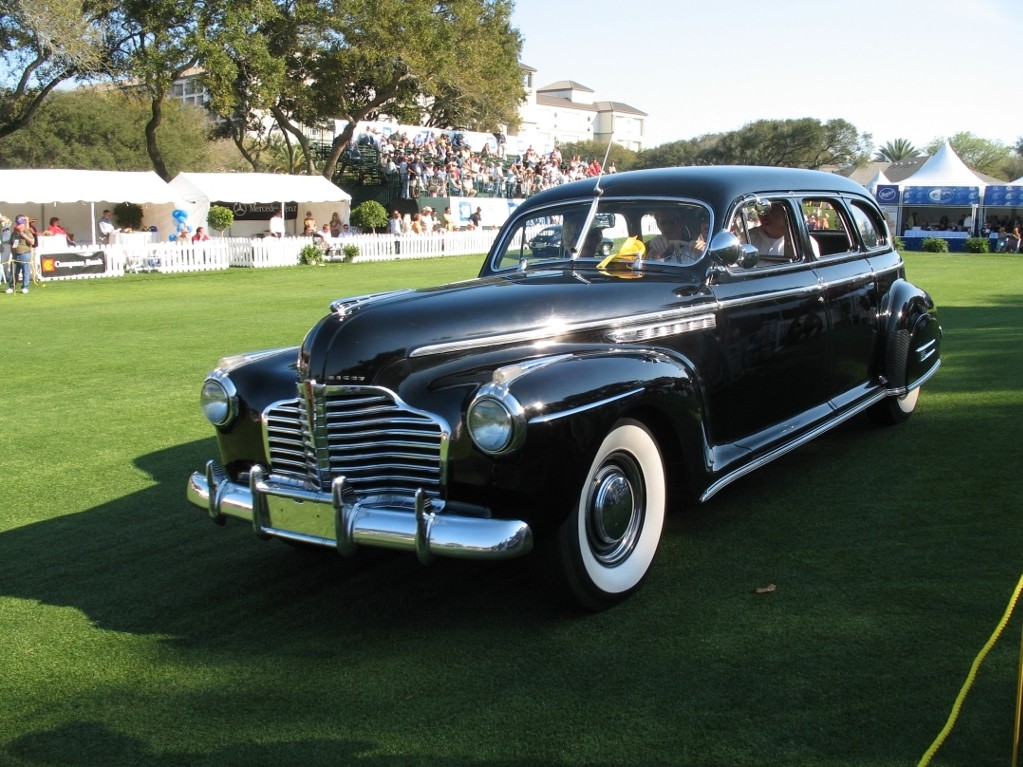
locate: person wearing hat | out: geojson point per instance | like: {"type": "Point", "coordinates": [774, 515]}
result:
{"type": "Point", "coordinates": [23, 239]}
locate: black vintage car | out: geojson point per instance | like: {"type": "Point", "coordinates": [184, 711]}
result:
{"type": "Point", "coordinates": [565, 402]}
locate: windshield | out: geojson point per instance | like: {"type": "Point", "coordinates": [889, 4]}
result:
{"type": "Point", "coordinates": [663, 231]}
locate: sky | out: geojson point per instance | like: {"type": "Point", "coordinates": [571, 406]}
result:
{"type": "Point", "coordinates": [914, 69]}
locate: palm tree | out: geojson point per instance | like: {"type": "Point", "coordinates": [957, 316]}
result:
{"type": "Point", "coordinates": [896, 151]}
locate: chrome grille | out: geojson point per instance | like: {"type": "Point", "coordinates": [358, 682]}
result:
{"type": "Point", "coordinates": [365, 434]}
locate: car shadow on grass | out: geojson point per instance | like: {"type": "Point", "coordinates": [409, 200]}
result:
{"type": "Point", "coordinates": [152, 563]}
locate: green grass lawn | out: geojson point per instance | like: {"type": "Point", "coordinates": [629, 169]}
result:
{"type": "Point", "coordinates": [135, 632]}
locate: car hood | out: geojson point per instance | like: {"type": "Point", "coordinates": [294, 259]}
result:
{"type": "Point", "coordinates": [363, 338]}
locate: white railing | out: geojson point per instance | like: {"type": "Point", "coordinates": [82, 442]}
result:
{"type": "Point", "coordinates": [223, 252]}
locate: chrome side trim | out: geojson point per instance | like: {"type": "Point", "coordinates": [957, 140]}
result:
{"type": "Point", "coordinates": [778, 452]}
{"type": "Point", "coordinates": [663, 329]}
{"type": "Point", "coordinates": [788, 447]}
{"type": "Point", "coordinates": [555, 328]}
{"type": "Point", "coordinates": [583, 408]}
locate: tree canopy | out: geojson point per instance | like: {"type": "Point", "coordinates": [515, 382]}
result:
{"type": "Point", "coordinates": [803, 143]}
{"type": "Point", "coordinates": [310, 62]}
{"type": "Point", "coordinates": [44, 44]}
{"type": "Point", "coordinates": [98, 129]}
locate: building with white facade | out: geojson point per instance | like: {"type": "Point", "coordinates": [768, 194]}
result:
{"type": "Point", "coordinates": [566, 111]}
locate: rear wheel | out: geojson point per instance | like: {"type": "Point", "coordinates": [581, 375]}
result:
{"type": "Point", "coordinates": [603, 551]}
{"type": "Point", "coordinates": [895, 410]}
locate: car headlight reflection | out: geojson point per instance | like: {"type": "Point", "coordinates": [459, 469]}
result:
{"type": "Point", "coordinates": [219, 400]}
{"type": "Point", "coordinates": [495, 425]}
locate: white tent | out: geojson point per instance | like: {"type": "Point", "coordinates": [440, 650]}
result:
{"type": "Point", "coordinates": [944, 168]}
{"type": "Point", "coordinates": [941, 194]}
{"type": "Point", "coordinates": [75, 196]}
{"type": "Point", "coordinates": [254, 197]}
{"type": "Point", "coordinates": [879, 178]}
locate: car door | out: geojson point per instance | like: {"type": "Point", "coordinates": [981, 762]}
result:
{"type": "Point", "coordinates": [850, 294]}
{"type": "Point", "coordinates": [771, 326]}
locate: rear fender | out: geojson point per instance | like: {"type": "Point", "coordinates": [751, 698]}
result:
{"type": "Point", "coordinates": [912, 337]}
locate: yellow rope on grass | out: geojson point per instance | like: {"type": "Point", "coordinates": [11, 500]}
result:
{"type": "Point", "coordinates": [969, 682]}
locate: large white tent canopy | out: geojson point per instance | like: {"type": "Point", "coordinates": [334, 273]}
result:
{"type": "Point", "coordinates": [75, 196]}
{"type": "Point", "coordinates": [254, 197]}
{"type": "Point", "coordinates": [944, 168]}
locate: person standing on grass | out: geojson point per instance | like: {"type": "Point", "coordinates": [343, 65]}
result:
{"type": "Point", "coordinates": [6, 229]}
{"type": "Point", "coordinates": [23, 240]}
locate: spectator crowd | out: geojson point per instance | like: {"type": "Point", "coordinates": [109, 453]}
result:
{"type": "Point", "coordinates": [440, 164]}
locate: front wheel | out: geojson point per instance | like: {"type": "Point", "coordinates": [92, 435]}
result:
{"type": "Point", "coordinates": [601, 554]}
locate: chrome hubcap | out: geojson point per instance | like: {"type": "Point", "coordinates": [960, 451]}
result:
{"type": "Point", "coordinates": [614, 510]}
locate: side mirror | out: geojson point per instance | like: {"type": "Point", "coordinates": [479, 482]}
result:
{"type": "Point", "coordinates": [726, 248]}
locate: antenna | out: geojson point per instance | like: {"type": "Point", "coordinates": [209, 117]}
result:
{"type": "Point", "coordinates": [597, 192]}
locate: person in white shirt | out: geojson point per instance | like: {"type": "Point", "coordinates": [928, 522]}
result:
{"type": "Point", "coordinates": [106, 227]}
{"type": "Point", "coordinates": [277, 225]}
{"type": "Point", "coordinates": [771, 238]}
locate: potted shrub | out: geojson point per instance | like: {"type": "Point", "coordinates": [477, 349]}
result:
{"type": "Point", "coordinates": [369, 216]}
{"type": "Point", "coordinates": [220, 218]}
{"type": "Point", "coordinates": [350, 252]}
{"type": "Point", "coordinates": [934, 245]}
{"type": "Point", "coordinates": [311, 255]}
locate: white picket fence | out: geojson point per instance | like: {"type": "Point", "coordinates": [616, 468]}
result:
{"type": "Point", "coordinates": [256, 253]}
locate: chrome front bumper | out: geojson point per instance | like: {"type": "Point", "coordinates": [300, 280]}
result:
{"type": "Point", "coordinates": [341, 521]}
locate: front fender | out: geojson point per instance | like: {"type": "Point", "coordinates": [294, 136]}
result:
{"type": "Point", "coordinates": [912, 336]}
{"type": "Point", "coordinates": [568, 403]}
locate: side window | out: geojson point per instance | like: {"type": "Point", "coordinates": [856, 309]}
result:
{"type": "Point", "coordinates": [828, 226]}
{"type": "Point", "coordinates": [767, 226]}
{"type": "Point", "coordinates": [872, 230]}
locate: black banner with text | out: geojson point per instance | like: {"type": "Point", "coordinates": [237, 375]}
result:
{"type": "Point", "coordinates": [71, 264]}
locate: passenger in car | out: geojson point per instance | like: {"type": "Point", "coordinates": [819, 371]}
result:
{"type": "Point", "coordinates": [772, 237]}
{"type": "Point", "coordinates": [677, 242]}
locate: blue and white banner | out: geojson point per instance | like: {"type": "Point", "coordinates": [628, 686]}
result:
{"type": "Point", "coordinates": [941, 195]}
{"type": "Point", "coordinates": [1006, 196]}
{"type": "Point", "coordinates": [887, 194]}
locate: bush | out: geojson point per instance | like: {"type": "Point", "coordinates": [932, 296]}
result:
{"type": "Point", "coordinates": [220, 218]}
{"type": "Point", "coordinates": [978, 245]}
{"type": "Point", "coordinates": [350, 252]}
{"type": "Point", "coordinates": [934, 245]}
{"type": "Point", "coordinates": [311, 255]}
{"type": "Point", "coordinates": [369, 215]}
{"type": "Point", "coordinates": [899, 244]}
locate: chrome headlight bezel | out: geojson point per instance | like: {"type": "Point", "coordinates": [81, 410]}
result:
{"type": "Point", "coordinates": [219, 399]}
{"type": "Point", "coordinates": [496, 421]}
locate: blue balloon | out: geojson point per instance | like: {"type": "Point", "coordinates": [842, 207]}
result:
{"type": "Point", "coordinates": [173, 238]}
{"type": "Point", "coordinates": [180, 215]}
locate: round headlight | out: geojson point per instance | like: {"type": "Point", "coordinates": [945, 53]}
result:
{"type": "Point", "coordinates": [491, 425]}
{"type": "Point", "coordinates": [218, 402]}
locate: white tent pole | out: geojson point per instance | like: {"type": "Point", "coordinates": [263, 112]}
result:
{"type": "Point", "coordinates": [92, 220]}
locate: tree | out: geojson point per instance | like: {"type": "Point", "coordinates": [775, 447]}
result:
{"type": "Point", "coordinates": [622, 157]}
{"type": "Point", "coordinates": [311, 62]}
{"type": "Point", "coordinates": [89, 128]}
{"type": "Point", "coordinates": [43, 44]}
{"type": "Point", "coordinates": [980, 154]}
{"type": "Point", "coordinates": [897, 151]}
{"type": "Point", "coordinates": [803, 143]}
{"type": "Point", "coordinates": [679, 153]}
{"type": "Point", "coordinates": [157, 42]}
